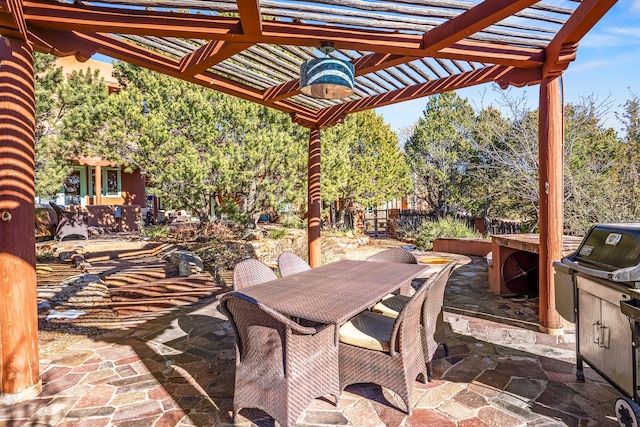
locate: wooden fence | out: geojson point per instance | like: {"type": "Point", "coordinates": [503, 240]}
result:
{"type": "Point", "coordinates": [411, 220]}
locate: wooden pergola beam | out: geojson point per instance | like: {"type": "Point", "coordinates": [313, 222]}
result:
{"type": "Point", "coordinates": [250, 16]}
{"type": "Point", "coordinates": [562, 49]}
{"type": "Point", "coordinates": [120, 49]}
{"type": "Point", "coordinates": [15, 9]}
{"type": "Point", "coordinates": [61, 43]}
{"type": "Point", "coordinates": [61, 16]}
{"type": "Point", "coordinates": [473, 20]}
{"type": "Point", "coordinates": [209, 55]}
{"type": "Point", "coordinates": [329, 116]}
{"type": "Point", "coordinates": [492, 53]}
{"type": "Point", "coordinates": [136, 55]}
{"type": "Point", "coordinates": [379, 61]}
{"type": "Point", "coordinates": [283, 91]}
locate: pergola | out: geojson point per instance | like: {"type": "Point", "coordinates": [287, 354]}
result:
{"type": "Point", "coordinates": [401, 50]}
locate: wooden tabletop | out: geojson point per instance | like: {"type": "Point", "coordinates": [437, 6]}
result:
{"type": "Point", "coordinates": [335, 292]}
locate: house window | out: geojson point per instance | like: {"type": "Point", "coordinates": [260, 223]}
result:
{"type": "Point", "coordinates": [111, 182]}
{"type": "Point", "coordinates": [74, 187]}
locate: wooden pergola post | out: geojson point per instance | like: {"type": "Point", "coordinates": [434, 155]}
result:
{"type": "Point", "coordinates": [551, 186]}
{"type": "Point", "coordinates": [314, 202]}
{"type": "Point", "coordinates": [19, 369]}
{"type": "Point", "coordinates": [98, 185]}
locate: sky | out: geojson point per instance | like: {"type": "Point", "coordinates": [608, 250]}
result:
{"type": "Point", "coordinates": [607, 66]}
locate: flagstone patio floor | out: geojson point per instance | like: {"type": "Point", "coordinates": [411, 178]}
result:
{"type": "Point", "coordinates": [177, 369]}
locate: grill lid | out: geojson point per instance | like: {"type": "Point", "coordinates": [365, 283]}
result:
{"type": "Point", "coordinates": [610, 246]}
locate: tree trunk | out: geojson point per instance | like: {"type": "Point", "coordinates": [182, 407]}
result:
{"type": "Point", "coordinates": [250, 205]}
{"type": "Point", "coordinates": [342, 213]}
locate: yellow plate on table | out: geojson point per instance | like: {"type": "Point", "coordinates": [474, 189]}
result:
{"type": "Point", "coordinates": [434, 260]}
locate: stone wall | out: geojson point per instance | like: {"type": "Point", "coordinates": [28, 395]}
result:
{"type": "Point", "coordinates": [333, 248]}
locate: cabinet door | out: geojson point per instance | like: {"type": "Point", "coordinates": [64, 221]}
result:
{"type": "Point", "coordinates": [590, 319]}
{"type": "Point", "coordinates": [617, 357]}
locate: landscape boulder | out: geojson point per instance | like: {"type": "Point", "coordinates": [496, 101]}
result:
{"type": "Point", "coordinates": [187, 263]}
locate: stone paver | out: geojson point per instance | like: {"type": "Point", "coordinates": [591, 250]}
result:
{"type": "Point", "coordinates": [176, 368]}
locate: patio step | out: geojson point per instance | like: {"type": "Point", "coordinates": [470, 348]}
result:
{"type": "Point", "coordinates": [157, 295]}
{"type": "Point", "coordinates": [139, 275]}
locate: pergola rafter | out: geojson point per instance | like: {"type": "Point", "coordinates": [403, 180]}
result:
{"type": "Point", "coordinates": [226, 37]}
{"type": "Point", "coordinates": [252, 49]}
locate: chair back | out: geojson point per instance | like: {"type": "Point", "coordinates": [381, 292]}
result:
{"type": "Point", "coordinates": [261, 334]}
{"type": "Point", "coordinates": [58, 210]}
{"type": "Point", "coordinates": [290, 263]}
{"type": "Point", "coordinates": [406, 329]}
{"type": "Point", "coordinates": [280, 366]}
{"type": "Point", "coordinates": [397, 255]}
{"type": "Point", "coordinates": [250, 272]}
{"type": "Point", "coordinates": [432, 307]}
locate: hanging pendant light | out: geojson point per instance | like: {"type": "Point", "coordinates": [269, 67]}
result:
{"type": "Point", "coordinates": [327, 78]}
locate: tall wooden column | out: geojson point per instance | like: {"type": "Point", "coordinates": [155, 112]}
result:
{"type": "Point", "coordinates": [97, 190]}
{"type": "Point", "coordinates": [313, 194]}
{"type": "Point", "coordinates": [551, 182]}
{"type": "Point", "coordinates": [19, 370]}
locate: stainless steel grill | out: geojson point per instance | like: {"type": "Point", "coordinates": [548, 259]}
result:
{"type": "Point", "coordinates": [598, 288]}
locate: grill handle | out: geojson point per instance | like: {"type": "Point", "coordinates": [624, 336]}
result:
{"type": "Point", "coordinates": [627, 274]}
{"type": "Point", "coordinates": [601, 274]}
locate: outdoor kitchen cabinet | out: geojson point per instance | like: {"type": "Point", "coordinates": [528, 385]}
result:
{"type": "Point", "coordinates": [604, 333]}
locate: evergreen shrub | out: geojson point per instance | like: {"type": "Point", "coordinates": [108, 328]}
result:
{"type": "Point", "coordinates": [291, 220]}
{"type": "Point", "coordinates": [277, 233]}
{"type": "Point", "coordinates": [428, 231]}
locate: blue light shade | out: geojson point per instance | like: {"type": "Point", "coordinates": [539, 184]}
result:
{"type": "Point", "coordinates": [327, 78]}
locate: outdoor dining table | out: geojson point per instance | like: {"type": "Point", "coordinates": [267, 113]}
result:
{"type": "Point", "coordinates": [330, 295]}
{"type": "Point", "coordinates": [335, 292]}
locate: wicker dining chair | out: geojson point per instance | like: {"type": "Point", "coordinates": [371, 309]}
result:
{"type": "Point", "coordinates": [249, 272]}
{"type": "Point", "coordinates": [290, 263]}
{"type": "Point", "coordinates": [378, 349]}
{"type": "Point", "coordinates": [432, 328]}
{"type": "Point", "coordinates": [280, 365]}
{"type": "Point", "coordinates": [397, 255]}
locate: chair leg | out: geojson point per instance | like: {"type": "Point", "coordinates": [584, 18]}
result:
{"type": "Point", "coordinates": [337, 398]}
{"type": "Point", "coordinates": [446, 349]}
{"type": "Point", "coordinates": [429, 370]}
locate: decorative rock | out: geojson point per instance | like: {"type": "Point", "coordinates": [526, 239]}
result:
{"type": "Point", "coordinates": [254, 235]}
{"type": "Point", "coordinates": [187, 263]}
{"type": "Point", "coordinates": [67, 255]}
{"type": "Point", "coordinates": [88, 278]}
{"type": "Point", "coordinates": [363, 241]}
